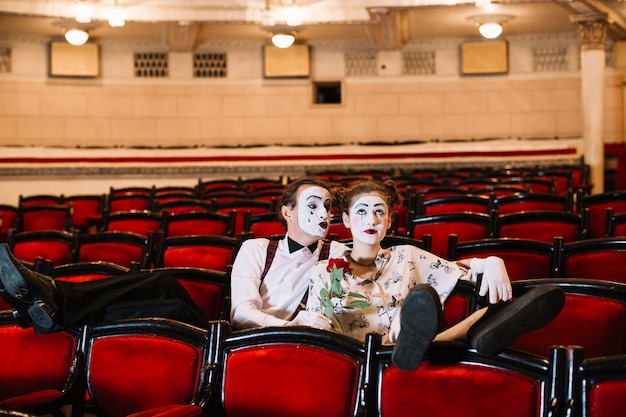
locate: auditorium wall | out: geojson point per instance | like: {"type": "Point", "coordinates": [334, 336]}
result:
{"type": "Point", "coordinates": [118, 109]}
{"type": "Point", "coordinates": [75, 135]}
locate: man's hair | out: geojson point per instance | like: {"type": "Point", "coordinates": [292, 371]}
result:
{"type": "Point", "coordinates": [289, 197]}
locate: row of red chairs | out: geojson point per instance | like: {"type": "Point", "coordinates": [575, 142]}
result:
{"type": "Point", "coordinates": [574, 366]}
{"type": "Point", "coordinates": [126, 248]}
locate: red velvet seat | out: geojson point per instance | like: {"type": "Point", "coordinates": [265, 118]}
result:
{"type": "Point", "coordinates": [602, 259]}
{"type": "Point", "coordinates": [86, 210]}
{"type": "Point", "coordinates": [198, 251]}
{"type": "Point", "coordinates": [524, 258]}
{"type": "Point", "coordinates": [594, 317]}
{"type": "Point", "coordinates": [263, 225]}
{"type": "Point", "coordinates": [336, 229]}
{"type": "Point", "coordinates": [290, 372]}
{"type": "Point", "coordinates": [542, 225]}
{"type": "Point", "coordinates": [128, 202]}
{"type": "Point", "coordinates": [533, 202]}
{"type": "Point", "coordinates": [147, 367]}
{"type": "Point", "coordinates": [121, 248]}
{"type": "Point", "coordinates": [40, 199]}
{"type": "Point", "coordinates": [467, 226]}
{"type": "Point", "coordinates": [454, 381]}
{"type": "Point", "coordinates": [38, 372]}
{"type": "Point", "coordinates": [598, 384]}
{"type": "Point", "coordinates": [597, 204]}
{"type": "Point", "coordinates": [8, 218]}
{"type": "Point", "coordinates": [55, 246]}
{"type": "Point", "coordinates": [453, 203]}
{"type": "Point", "coordinates": [208, 288]}
{"type": "Point", "coordinates": [242, 205]}
{"type": "Point", "coordinates": [43, 217]}
{"type": "Point", "coordinates": [142, 222]}
{"type": "Point", "coordinates": [183, 205]}
{"type": "Point", "coordinates": [85, 271]}
{"type": "Point", "coordinates": [198, 223]}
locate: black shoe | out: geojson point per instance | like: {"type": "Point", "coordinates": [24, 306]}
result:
{"type": "Point", "coordinates": [511, 319]}
{"type": "Point", "coordinates": [32, 295]}
{"type": "Point", "coordinates": [420, 318]}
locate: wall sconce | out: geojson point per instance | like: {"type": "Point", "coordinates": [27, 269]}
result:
{"type": "Point", "coordinates": [490, 26]}
{"type": "Point", "coordinates": [76, 36]}
{"type": "Point", "coordinates": [283, 40]}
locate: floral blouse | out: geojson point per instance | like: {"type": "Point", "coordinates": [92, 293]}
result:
{"type": "Point", "coordinates": [398, 269]}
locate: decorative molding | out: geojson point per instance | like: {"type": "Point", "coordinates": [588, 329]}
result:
{"type": "Point", "coordinates": [592, 29]}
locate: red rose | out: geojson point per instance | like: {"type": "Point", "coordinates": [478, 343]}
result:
{"type": "Point", "coordinates": [337, 263]}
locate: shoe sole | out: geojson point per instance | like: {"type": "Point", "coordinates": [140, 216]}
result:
{"type": "Point", "coordinates": [531, 311]}
{"type": "Point", "coordinates": [41, 315]}
{"type": "Point", "coordinates": [11, 279]}
{"type": "Point", "coordinates": [419, 322]}
{"type": "Point", "coordinates": [15, 287]}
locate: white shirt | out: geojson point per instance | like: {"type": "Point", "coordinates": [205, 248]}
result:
{"type": "Point", "coordinates": [398, 270]}
{"type": "Point", "coordinates": [274, 301]}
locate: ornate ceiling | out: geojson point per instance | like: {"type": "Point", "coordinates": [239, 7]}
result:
{"type": "Point", "coordinates": [390, 24]}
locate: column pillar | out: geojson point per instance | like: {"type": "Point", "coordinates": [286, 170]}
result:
{"type": "Point", "coordinates": [592, 29]}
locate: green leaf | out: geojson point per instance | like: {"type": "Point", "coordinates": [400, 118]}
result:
{"type": "Point", "coordinates": [356, 295]}
{"type": "Point", "coordinates": [324, 293]}
{"type": "Point", "coordinates": [359, 304]}
{"type": "Point", "coordinates": [336, 288]}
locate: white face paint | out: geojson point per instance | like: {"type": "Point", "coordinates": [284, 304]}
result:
{"type": "Point", "coordinates": [369, 219]}
{"type": "Point", "coordinates": [313, 210]}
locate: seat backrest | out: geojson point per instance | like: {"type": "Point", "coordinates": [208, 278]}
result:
{"type": "Point", "coordinates": [263, 225]}
{"type": "Point", "coordinates": [597, 204]}
{"type": "Point", "coordinates": [524, 258]}
{"type": "Point", "coordinates": [86, 210]}
{"type": "Point", "coordinates": [146, 364]}
{"type": "Point", "coordinates": [199, 251]}
{"type": "Point", "coordinates": [467, 226]}
{"type": "Point", "coordinates": [598, 384]}
{"type": "Point", "coordinates": [183, 205]}
{"type": "Point", "coordinates": [453, 204]}
{"type": "Point", "coordinates": [128, 202]}
{"type": "Point", "coordinates": [615, 224]}
{"type": "Point", "coordinates": [208, 288]}
{"type": "Point", "coordinates": [594, 317]}
{"type": "Point", "coordinates": [240, 206]}
{"type": "Point", "coordinates": [40, 199]}
{"type": "Point", "coordinates": [291, 372]}
{"type": "Point", "coordinates": [85, 271]}
{"type": "Point", "coordinates": [490, 385]}
{"type": "Point", "coordinates": [532, 202]}
{"type": "Point", "coordinates": [117, 191]}
{"type": "Point", "coordinates": [8, 214]}
{"type": "Point", "coordinates": [198, 223]}
{"type": "Point", "coordinates": [601, 258]}
{"type": "Point", "coordinates": [121, 248]}
{"type": "Point", "coordinates": [40, 367]}
{"type": "Point", "coordinates": [43, 217]}
{"type": "Point", "coordinates": [337, 230]}
{"type": "Point", "coordinates": [141, 222]}
{"type": "Point", "coordinates": [542, 225]}
{"type": "Point", "coordinates": [55, 246]}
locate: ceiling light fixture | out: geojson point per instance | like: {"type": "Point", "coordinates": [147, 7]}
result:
{"type": "Point", "coordinates": [490, 26]}
{"type": "Point", "coordinates": [117, 16]}
{"type": "Point", "coordinates": [76, 36]}
{"type": "Point", "coordinates": [294, 15]}
{"type": "Point", "coordinates": [283, 40]}
{"type": "Point", "coordinates": [83, 12]}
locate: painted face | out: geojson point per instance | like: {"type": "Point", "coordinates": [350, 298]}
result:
{"type": "Point", "coordinates": [369, 219]}
{"type": "Point", "coordinates": [313, 210]}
